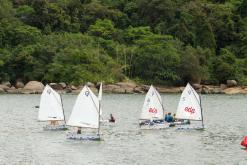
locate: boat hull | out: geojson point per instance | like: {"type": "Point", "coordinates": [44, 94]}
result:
{"type": "Point", "coordinates": [75, 136]}
{"type": "Point", "coordinates": [55, 127]}
{"type": "Point", "coordinates": [190, 127]}
{"type": "Point", "coordinates": [180, 123]}
{"type": "Point", "coordinates": [156, 126]}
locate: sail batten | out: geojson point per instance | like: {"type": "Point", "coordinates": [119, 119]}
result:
{"type": "Point", "coordinates": [85, 111]}
{"type": "Point", "coordinates": [153, 106]}
{"type": "Point", "coordinates": [189, 105]}
{"type": "Point", "coordinates": [50, 106]}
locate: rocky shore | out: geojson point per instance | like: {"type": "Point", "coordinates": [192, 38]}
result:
{"type": "Point", "coordinates": [35, 87]}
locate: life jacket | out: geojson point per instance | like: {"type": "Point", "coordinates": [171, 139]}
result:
{"type": "Point", "coordinates": [244, 141]}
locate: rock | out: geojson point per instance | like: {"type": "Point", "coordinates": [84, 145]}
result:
{"type": "Point", "coordinates": [19, 84]}
{"type": "Point", "coordinates": [13, 90]}
{"type": "Point", "coordinates": [109, 88]}
{"type": "Point", "coordinates": [231, 83]}
{"type": "Point", "coordinates": [7, 83]}
{"type": "Point", "coordinates": [223, 86]}
{"type": "Point", "coordinates": [4, 87]}
{"type": "Point", "coordinates": [63, 85]}
{"type": "Point", "coordinates": [56, 86]}
{"type": "Point", "coordinates": [89, 84]}
{"type": "Point", "coordinates": [2, 90]}
{"type": "Point", "coordinates": [68, 90]}
{"type": "Point", "coordinates": [205, 90]}
{"type": "Point", "coordinates": [118, 90]}
{"type": "Point", "coordinates": [169, 89]}
{"type": "Point", "coordinates": [123, 90]}
{"type": "Point", "coordinates": [196, 86]}
{"type": "Point", "coordinates": [34, 87]}
{"type": "Point", "coordinates": [125, 87]}
{"type": "Point", "coordinates": [217, 91]}
{"type": "Point", "coordinates": [73, 87]}
{"type": "Point", "coordinates": [210, 89]}
{"type": "Point", "coordinates": [138, 89]}
{"type": "Point", "coordinates": [236, 90]}
{"type": "Point", "coordinates": [77, 91]}
{"type": "Point", "coordinates": [127, 84]}
{"type": "Point", "coordinates": [145, 88]}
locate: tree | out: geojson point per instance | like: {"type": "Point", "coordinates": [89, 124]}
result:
{"type": "Point", "coordinates": [102, 28]}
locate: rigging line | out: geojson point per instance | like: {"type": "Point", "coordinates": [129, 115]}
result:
{"type": "Point", "coordinates": [199, 102]}
{"type": "Point", "coordinates": [192, 89]}
{"type": "Point", "coordinates": [56, 96]}
{"type": "Point", "coordinates": [63, 108]}
{"type": "Point", "coordinates": [93, 100]}
{"type": "Point", "coordinates": [160, 101]}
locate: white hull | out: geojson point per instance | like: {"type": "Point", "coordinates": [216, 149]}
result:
{"type": "Point", "coordinates": [190, 127]}
{"type": "Point", "coordinates": [155, 126]}
{"type": "Point", "coordinates": [180, 123]}
{"type": "Point", "coordinates": [75, 136]}
{"type": "Point", "coordinates": [55, 127]}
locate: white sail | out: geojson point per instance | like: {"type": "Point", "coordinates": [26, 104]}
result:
{"type": "Point", "coordinates": [189, 105]}
{"type": "Point", "coordinates": [100, 97]}
{"type": "Point", "coordinates": [85, 111]}
{"type": "Point", "coordinates": [152, 107]}
{"type": "Point", "coordinates": [50, 105]}
{"type": "Point", "coordinates": [100, 92]}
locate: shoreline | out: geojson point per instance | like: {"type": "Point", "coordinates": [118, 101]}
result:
{"type": "Point", "coordinates": [35, 87]}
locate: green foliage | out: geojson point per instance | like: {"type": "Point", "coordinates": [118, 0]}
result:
{"type": "Point", "coordinates": [102, 28]}
{"type": "Point", "coordinates": [155, 41]}
{"type": "Point", "coordinates": [194, 64]}
{"type": "Point", "coordinates": [6, 10]}
{"type": "Point", "coordinates": [224, 66]}
{"type": "Point", "coordinates": [159, 56]}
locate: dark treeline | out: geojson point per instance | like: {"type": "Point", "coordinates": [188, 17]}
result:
{"type": "Point", "coordinates": [152, 41]}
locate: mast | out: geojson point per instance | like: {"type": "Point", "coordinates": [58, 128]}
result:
{"type": "Point", "coordinates": [99, 97]}
{"type": "Point", "coordinates": [62, 108]}
{"type": "Point", "coordinates": [200, 103]}
{"type": "Point", "coordinates": [201, 110]}
{"type": "Point", "coordinates": [99, 118]}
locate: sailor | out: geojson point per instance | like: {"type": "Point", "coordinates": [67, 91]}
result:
{"type": "Point", "coordinates": [165, 117]}
{"type": "Point", "coordinates": [169, 118]}
{"type": "Point", "coordinates": [112, 119]}
{"type": "Point", "coordinates": [174, 117]}
{"type": "Point", "coordinates": [53, 122]}
{"type": "Point", "coordinates": [79, 130]}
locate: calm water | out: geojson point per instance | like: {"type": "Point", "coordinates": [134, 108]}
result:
{"type": "Point", "coordinates": [23, 141]}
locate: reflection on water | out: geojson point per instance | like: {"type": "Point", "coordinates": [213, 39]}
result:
{"type": "Point", "coordinates": [23, 141]}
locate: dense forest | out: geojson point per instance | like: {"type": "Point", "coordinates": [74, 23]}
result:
{"type": "Point", "coordinates": [165, 42]}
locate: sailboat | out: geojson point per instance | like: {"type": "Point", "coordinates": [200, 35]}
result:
{"type": "Point", "coordinates": [51, 109]}
{"type": "Point", "coordinates": [86, 115]}
{"type": "Point", "coordinates": [152, 116]}
{"type": "Point", "coordinates": [106, 121]}
{"type": "Point", "coordinates": [189, 108]}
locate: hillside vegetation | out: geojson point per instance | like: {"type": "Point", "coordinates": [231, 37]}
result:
{"type": "Point", "coordinates": [165, 42]}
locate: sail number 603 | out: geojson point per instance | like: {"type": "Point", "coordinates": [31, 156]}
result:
{"type": "Point", "coordinates": [191, 110]}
